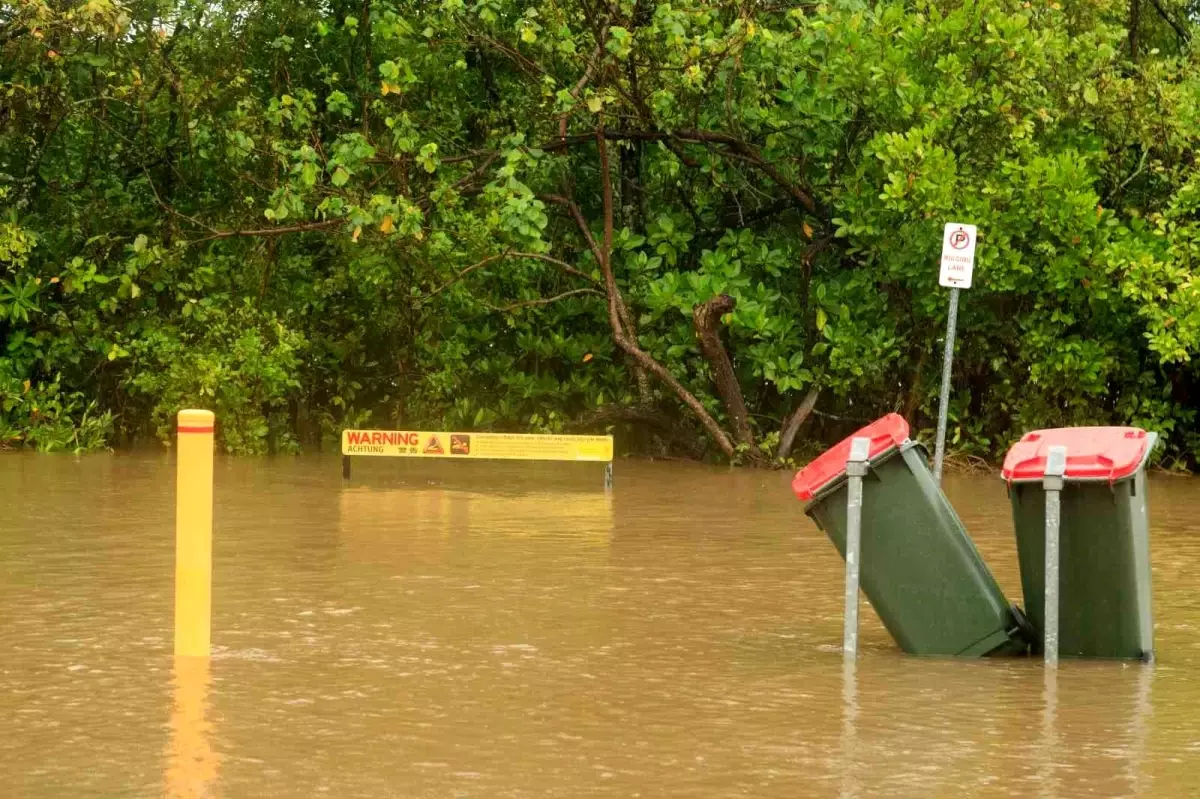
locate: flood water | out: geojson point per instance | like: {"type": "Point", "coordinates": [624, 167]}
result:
{"type": "Point", "coordinates": [484, 630]}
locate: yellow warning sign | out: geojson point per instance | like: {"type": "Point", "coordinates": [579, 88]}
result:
{"type": "Point", "coordinates": [500, 446]}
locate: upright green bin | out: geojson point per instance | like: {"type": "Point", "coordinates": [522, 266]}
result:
{"type": "Point", "coordinates": [920, 571]}
{"type": "Point", "coordinates": [1104, 538]}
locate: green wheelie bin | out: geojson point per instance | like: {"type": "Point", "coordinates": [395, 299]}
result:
{"type": "Point", "coordinates": [920, 571]}
{"type": "Point", "coordinates": [1104, 538]}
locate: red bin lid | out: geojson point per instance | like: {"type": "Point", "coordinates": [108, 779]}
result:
{"type": "Point", "coordinates": [886, 433]}
{"type": "Point", "coordinates": [1093, 453]}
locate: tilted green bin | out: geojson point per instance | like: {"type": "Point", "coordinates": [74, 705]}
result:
{"type": "Point", "coordinates": [1104, 606]}
{"type": "Point", "coordinates": [920, 571]}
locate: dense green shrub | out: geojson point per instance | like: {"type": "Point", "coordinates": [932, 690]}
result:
{"type": "Point", "coordinates": [504, 214]}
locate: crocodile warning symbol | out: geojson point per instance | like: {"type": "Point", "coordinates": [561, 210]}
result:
{"type": "Point", "coordinates": [434, 446]}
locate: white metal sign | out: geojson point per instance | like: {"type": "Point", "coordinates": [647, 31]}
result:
{"type": "Point", "coordinates": [958, 255]}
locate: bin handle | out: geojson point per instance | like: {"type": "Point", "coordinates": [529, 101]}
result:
{"type": "Point", "coordinates": [1112, 468]}
{"type": "Point", "coordinates": [1018, 465]}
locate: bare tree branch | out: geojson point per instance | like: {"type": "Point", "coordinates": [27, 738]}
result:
{"type": "Point", "coordinates": [172, 210]}
{"type": "Point", "coordinates": [544, 300]}
{"type": "Point", "coordinates": [792, 425]}
{"type": "Point", "coordinates": [579, 86]}
{"type": "Point", "coordinates": [619, 336]}
{"type": "Point", "coordinates": [738, 148]}
{"type": "Point", "coordinates": [563, 266]}
{"type": "Point", "coordinates": [271, 231]}
{"type": "Point", "coordinates": [461, 274]}
{"type": "Point", "coordinates": [1183, 34]}
{"type": "Point", "coordinates": [580, 221]}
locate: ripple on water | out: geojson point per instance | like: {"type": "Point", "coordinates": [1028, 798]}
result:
{"type": "Point", "coordinates": [681, 637]}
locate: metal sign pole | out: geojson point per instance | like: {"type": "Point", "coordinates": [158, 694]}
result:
{"type": "Point", "coordinates": [1052, 482]}
{"type": "Point", "coordinates": [608, 476]}
{"type": "Point", "coordinates": [856, 469]}
{"type": "Point", "coordinates": [958, 265]}
{"type": "Point", "coordinates": [944, 398]}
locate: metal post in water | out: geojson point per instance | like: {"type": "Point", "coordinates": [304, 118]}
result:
{"type": "Point", "coordinates": [856, 469]}
{"type": "Point", "coordinates": [345, 467]}
{"type": "Point", "coordinates": [944, 398]}
{"type": "Point", "coordinates": [1052, 482]}
{"type": "Point", "coordinates": [608, 477]}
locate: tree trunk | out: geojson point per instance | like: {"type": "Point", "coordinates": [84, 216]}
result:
{"type": "Point", "coordinates": [706, 318]}
{"type": "Point", "coordinates": [616, 302]}
{"type": "Point", "coordinates": [1135, 17]}
{"type": "Point", "coordinates": [633, 214]}
{"type": "Point", "coordinates": [792, 425]}
{"type": "Point", "coordinates": [912, 402]}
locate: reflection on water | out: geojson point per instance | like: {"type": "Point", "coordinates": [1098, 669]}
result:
{"type": "Point", "coordinates": [1049, 740]}
{"type": "Point", "coordinates": [849, 785]}
{"type": "Point", "coordinates": [192, 765]}
{"type": "Point", "coordinates": [510, 630]}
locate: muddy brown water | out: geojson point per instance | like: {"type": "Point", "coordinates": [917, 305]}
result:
{"type": "Point", "coordinates": [484, 630]}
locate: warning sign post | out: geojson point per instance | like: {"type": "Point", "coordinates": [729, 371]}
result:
{"type": "Point", "coordinates": [468, 446]}
{"type": "Point", "coordinates": [958, 265]}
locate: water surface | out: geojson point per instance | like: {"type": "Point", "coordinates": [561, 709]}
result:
{"type": "Point", "coordinates": [495, 630]}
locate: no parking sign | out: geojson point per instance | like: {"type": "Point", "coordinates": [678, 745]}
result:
{"type": "Point", "coordinates": [958, 255]}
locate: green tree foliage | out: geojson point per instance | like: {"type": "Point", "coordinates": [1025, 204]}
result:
{"type": "Point", "coordinates": [693, 218]}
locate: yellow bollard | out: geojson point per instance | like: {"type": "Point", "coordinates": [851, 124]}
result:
{"type": "Point", "coordinates": [193, 533]}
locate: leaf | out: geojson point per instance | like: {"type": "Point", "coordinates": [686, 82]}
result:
{"type": "Point", "coordinates": [808, 231]}
{"type": "Point", "coordinates": [428, 157]}
{"type": "Point", "coordinates": [1090, 96]}
{"type": "Point", "coordinates": [340, 177]}
{"type": "Point", "coordinates": [386, 225]}
{"type": "Point", "coordinates": [821, 319]}
{"type": "Point", "coordinates": [595, 103]}
{"type": "Point", "coordinates": [308, 174]}
{"type": "Point", "coordinates": [357, 232]}
{"type": "Point", "coordinates": [338, 102]}
{"type": "Point", "coordinates": [139, 244]}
